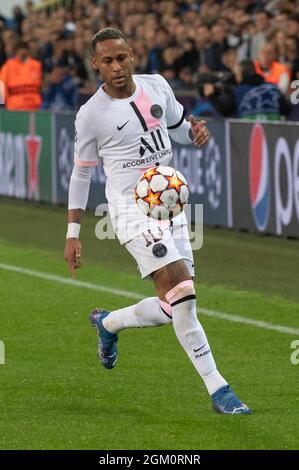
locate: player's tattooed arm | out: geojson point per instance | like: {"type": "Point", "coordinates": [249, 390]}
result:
{"type": "Point", "coordinates": [75, 216]}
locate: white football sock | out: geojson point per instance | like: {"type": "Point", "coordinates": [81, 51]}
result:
{"type": "Point", "coordinates": [192, 336]}
{"type": "Point", "coordinates": [147, 312]}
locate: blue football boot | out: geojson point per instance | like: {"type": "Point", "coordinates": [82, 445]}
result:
{"type": "Point", "coordinates": [107, 349]}
{"type": "Point", "coordinates": [226, 401]}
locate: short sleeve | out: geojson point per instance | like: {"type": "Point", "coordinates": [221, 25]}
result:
{"type": "Point", "coordinates": [174, 110]}
{"type": "Point", "coordinates": [85, 148]}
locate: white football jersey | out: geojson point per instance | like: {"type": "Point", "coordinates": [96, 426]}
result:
{"type": "Point", "coordinates": [130, 135]}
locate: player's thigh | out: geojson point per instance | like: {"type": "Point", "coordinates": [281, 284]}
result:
{"type": "Point", "coordinates": [182, 242]}
{"type": "Point", "coordinates": [169, 276]}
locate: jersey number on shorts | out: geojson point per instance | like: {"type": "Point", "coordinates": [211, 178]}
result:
{"type": "Point", "coordinates": [150, 238]}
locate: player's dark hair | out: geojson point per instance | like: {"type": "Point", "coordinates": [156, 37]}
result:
{"type": "Point", "coordinates": [104, 35]}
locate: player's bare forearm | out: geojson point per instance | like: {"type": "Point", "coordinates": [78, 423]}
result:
{"type": "Point", "coordinates": [72, 252]}
{"type": "Point", "coordinates": [75, 216]}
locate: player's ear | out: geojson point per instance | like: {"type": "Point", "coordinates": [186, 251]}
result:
{"type": "Point", "coordinates": [131, 54]}
{"type": "Point", "coordinates": [93, 63]}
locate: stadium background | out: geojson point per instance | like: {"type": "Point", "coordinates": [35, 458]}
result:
{"type": "Point", "coordinates": [53, 395]}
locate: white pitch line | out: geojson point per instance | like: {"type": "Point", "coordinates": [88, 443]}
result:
{"type": "Point", "coordinates": [133, 295]}
{"type": "Point", "coordinates": [249, 321]}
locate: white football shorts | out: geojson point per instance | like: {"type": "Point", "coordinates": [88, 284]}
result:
{"type": "Point", "coordinates": [158, 247]}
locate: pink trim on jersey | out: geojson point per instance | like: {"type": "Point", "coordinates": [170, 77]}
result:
{"type": "Point", "coordinates": [85, 163]}
{"type": "Point", "coordinates": [144, 103]}
{"type": "Point", "coordinates": [181, 290]}
{"type": "Point", "coordinates": [166, 307]}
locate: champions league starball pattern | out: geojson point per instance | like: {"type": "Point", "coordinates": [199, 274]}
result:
{"type": "Point", "coordinates": [162, 192]}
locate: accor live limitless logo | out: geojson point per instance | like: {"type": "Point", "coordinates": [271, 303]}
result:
{"type": "Point", "coordinates": [15, 149]}
{"type": "Point", "coordinates": [283, 173]}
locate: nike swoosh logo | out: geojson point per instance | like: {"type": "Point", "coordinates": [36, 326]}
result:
{"type": "Point", "coordinates": [119, 128]}
{"type": "Point", "coordinates": [195, 350]}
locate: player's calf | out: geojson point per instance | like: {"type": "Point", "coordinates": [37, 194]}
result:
{"type": "Point", "coordinates": [193, 339]}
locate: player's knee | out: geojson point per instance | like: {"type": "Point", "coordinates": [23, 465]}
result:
{"type": "Point", "coordinates": [166, 308]}
{"type": "Point", "coordinates": [180, 293]}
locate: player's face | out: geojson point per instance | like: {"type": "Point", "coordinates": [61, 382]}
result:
{"type": "Point", "coordinates": [114, 60]}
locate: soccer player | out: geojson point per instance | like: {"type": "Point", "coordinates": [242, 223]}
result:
{"type": "Point", "coordinates": [127, 124]}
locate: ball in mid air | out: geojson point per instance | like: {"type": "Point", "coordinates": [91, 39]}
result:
{"type": "Point", "coordinates": [161, 192]}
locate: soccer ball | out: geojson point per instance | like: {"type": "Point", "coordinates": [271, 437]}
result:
{"type": "Point", "coordinates": [161, 192]}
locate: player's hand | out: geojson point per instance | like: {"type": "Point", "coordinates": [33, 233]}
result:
{"type": "Point", "coordinates": [72, 254]}
{"type": "Point", "coordinates": [200, 132]}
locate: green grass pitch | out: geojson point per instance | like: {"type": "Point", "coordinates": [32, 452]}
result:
{"type": "Point", "coordinates": [55, 395]}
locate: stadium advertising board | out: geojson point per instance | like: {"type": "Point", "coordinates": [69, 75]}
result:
{"type": "Point", "coordinates": [265, 177]}
{"type": "Point", "coordinates": [26, 155]}
{"type": "Point", "coordinates": [64, 143]}
{"type": "Point", "coordinates": [206, 172]}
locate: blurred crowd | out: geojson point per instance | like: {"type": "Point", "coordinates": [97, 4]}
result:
{"type": "Point", "coordinates": [201, 47]}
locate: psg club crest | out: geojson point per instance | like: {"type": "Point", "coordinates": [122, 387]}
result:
{"type": "Point", "coordinates": [159, 250]}
{"type": "Point", "coordinates": [156, 111]}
